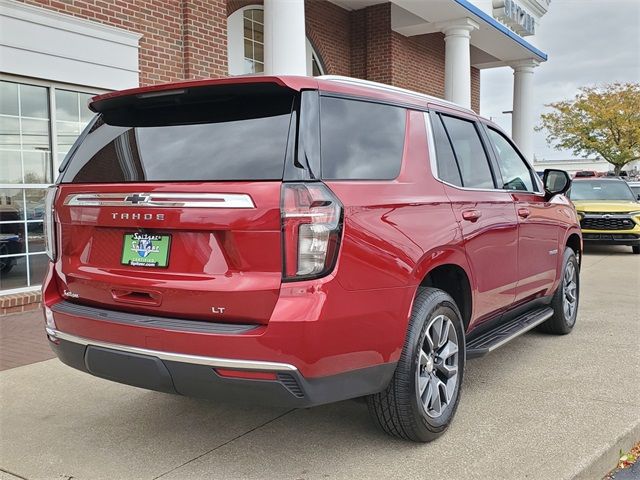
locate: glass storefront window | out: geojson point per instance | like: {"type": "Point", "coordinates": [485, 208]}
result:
{"type": "Point", "coordinates": [27, 116]}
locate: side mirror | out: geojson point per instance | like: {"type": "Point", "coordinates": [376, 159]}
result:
{"type": "Point", "coordinates": [555, 182]}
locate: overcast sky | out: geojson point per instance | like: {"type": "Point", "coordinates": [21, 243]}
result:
{"type": "Point", "coordinates": [589, 42]}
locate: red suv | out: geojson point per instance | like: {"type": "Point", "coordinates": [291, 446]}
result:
{"type": "Point", "coordinates": [299, 241]}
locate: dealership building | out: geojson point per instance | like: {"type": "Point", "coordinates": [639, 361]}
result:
{"type": "Point", "coordinates": [56, 54]}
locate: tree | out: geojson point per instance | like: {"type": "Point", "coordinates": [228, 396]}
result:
{"type": "Point", "coordinates": [601, 121]}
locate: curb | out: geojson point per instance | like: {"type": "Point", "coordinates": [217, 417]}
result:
{"type": "Point", "coordinates": [602, 462]}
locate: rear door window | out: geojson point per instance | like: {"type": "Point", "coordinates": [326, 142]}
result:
{"type": "Point", "coordinates": [469, 151]}
{"type": "Point", "coordinates": [360, 140]}
{"type": "Point", "coordinates": [232, 143]}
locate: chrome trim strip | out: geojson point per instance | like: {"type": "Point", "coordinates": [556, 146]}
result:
{"type": "Point", "coordinates": [520, 332]}
{"type": "Point", "coordinates": [177, 357]}
{"type": "Point", "coordinates": [161, 200]}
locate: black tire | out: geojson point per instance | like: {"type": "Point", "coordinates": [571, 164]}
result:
{"type": "Point", "coordinates": [636, 249]}
{"type": "Point", "coordinates": [398, 410]}
{"type": "Point", "coordinates": [561, 323]}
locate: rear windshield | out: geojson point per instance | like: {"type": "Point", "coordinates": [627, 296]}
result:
{"type": "Point", "coordinates": [237, 137]}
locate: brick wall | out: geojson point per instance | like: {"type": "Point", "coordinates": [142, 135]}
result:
{"type": "Point", "coordinates": [19, 302]}
{"type": "Point", "coordinates": [233, 5]}
{"type": "Point", "coordinates": [378, 37]}
{"type": "Point", "coordinates": [329, 31]}
{"type": "Point", "coordinates": [475, 89]}
{"type": "Point", "coordinates": [419, 63]}
{"type": "Point", "coordinates": [182, 39]}
{"type": "Point", "coordinates": [358, 44]}
{"type": "Point", "coordinates": [204, 38]}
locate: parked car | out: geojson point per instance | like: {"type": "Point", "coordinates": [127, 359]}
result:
{"type": "Point", "coordinates": [299, 241]}
{"type": "Point", "coordinates": [585, 173]}
{"type": "Point", "coordinates": [609, 211]}
{"type": "Point", "coordinates": [622, 174]}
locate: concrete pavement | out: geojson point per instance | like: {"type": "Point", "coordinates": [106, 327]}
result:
{"type": "Point", "coordinates": [21, 340]}
{"type": "Point", "coordinates": [541, 407]}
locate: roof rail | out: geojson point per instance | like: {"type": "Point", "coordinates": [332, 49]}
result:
{"type": "Point", "coordinates": [389, 88]}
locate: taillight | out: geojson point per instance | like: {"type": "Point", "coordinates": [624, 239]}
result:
{"type": "Point", "coordinates": [311, 228]}
{"type": "Point", "coordinates": [49, 223]}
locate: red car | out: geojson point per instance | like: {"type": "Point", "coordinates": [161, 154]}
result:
{"type": "Point", "coordinates": [299, 241]}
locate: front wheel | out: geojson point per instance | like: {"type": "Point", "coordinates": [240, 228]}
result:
{"type": "Point", "coordinates": [565, 300]}
{"type": "Point", "coordinates": [421, 399]}
{"type": "Point", "coordinates": [636, 249]}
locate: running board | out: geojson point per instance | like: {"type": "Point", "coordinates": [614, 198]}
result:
{"type": "Point", "coordinates": [505, 332]}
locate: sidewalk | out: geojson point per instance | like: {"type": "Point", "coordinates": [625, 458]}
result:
{"type": "Point", "coordinates": [22, 340]}
{"type": "Point", "coordinates": [539, 408]}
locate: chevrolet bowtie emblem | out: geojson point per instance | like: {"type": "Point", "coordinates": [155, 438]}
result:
{"type": "Point", "coordinates": [137, 198]}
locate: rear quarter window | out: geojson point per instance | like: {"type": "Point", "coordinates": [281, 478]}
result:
{"type": "Point", "coordinates": [360, 140]}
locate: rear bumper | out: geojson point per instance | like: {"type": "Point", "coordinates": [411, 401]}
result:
{"type": "Point", "coordinates": [196, 376]}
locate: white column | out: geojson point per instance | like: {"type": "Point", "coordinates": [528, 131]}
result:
{"type": "Point", "coordinates": [457, 62]}
{"type": "Point", "coordinates": [284, 37]}
{"type": "Point", "coordinates": [522, 118]}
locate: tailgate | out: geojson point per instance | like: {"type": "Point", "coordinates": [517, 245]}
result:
{"type": "Point", "coordinates": [215, 249]}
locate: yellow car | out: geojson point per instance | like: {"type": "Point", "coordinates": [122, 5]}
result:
{"type": "Point", "coordinates": [609, 211]}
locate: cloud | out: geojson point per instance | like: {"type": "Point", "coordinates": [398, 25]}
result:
{"type": "Point", "coordinates": [589, 42]}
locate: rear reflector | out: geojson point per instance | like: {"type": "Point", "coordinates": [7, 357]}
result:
{"type": "Point", "coordinates": [246, 374]}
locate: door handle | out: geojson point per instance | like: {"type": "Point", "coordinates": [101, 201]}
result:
{"type": "Point", "coordinates": [524, 212]}
{"type": "Point", "coordinates": [471, 215]}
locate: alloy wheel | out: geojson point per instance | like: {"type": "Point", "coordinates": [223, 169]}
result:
{"type": "Point", "coordinates": [437, 372]}
{"type": "Point", "coordinates": [570, 293]}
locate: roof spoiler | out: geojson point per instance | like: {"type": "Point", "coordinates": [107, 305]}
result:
{"type": "Point", "coordinates": [187, 103]}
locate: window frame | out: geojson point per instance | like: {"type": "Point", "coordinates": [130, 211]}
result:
{"type": "Point", "coordinates": [51, 87]}
{"type": "Point", "coordinates": [488, 151]}
{"type": "Point", "coordinates": [535, 179]}
{"type": "Point", "coordinates": [244, 10]}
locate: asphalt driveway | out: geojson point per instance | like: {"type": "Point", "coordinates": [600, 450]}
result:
{"type": "Point", "coordinates": [541, 407]}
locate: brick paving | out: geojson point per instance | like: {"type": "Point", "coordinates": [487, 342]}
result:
{"type": "Point", "coordinates": [22, 340]}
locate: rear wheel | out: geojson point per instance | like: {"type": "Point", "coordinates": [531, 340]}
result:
{"type": "Point", "coordinates": [565, 300]}
{"type": "Point", "coordinates": [636, 249]}
{"type": "Point", "coordinates": [421, 399]}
